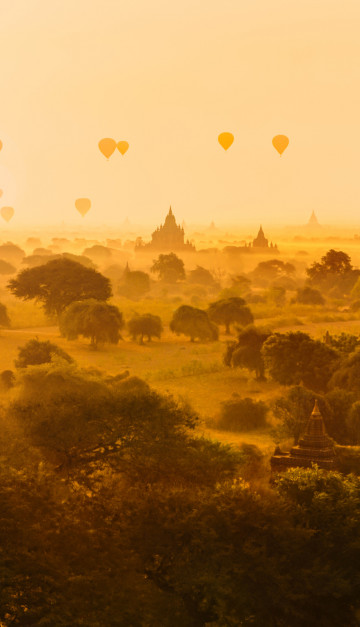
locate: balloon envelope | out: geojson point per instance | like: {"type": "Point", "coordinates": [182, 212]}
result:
{"type": "Point", "coordinates": [280, 142]}
{"type": "Point", "coordinates": [107, 146]}
{"type": "Point", "coordinates": [83, 205]}
{"type": "Point", "coordinates": [7, 213]}
{"type": "Point", "coordinates": [225, 140]}
{"type": "Point", "coordinates": [122, 147]}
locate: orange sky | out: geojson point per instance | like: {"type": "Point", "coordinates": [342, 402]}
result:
{"type": "Point", "coordinates": [168, 77]}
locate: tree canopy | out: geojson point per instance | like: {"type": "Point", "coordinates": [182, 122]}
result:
{"type": "Point", "coordinates": [170, 268]}
{"type": "Point", "coordinates": [246, 352]}
{"type": "Point", "coordinates": [295, 357]}
{"type": "Point", "coordinates": [193, 322]}
{"type": "Point", "coordinates": [146, 324]}
{"type": "Point", "coordinates": [4, 318]}
{"type": "Point", "coordinates": [58, 283]}
{"type": "Point", "coordinates": [334, 272]}
{"type": "Point", "coordinates": [96, 320]}
{"type": "Point", "coordinates": [35, 352]}
{"type": "Point", "coordinates": [229, 310]}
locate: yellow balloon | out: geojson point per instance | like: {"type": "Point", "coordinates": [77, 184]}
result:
{"type": "Point", "coordinates": [7, 213]}
{"type": "Point", "coordinates": [122, 147]}
{"type": "Point", "coordinates": [280, 142]}
{"type": "Point", "coordinates": [83, 205]}
{"type": "Point", "coordinates": [107, 146]}
{"type": "Point", "coordinates": [225, 140]}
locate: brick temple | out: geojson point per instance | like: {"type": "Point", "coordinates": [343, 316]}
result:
{"type": "Point", "coordinates": [314, 447]}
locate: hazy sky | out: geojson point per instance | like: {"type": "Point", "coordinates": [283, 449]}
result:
{"type": "Point", "coordinates": [168, 77]}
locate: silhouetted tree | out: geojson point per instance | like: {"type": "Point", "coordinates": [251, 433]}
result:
{"type": "Point", "coordinates": [146, 324]}
{"type": "Point", "coordinates": [35, 352]}
{"type": "Point", "coordinates": [134, 284]}
{"type": "Point", "coordinates": [201, 276]}
{"type": "Point", "coordinates": [295, 357]}
{"type": "Point", "coordinates": [229, 310]}
{"type": "Point", "coordinates": [193, 322]}
{"type": "Point", "coordinates": [169, 268]}
{"type": "Point", "coordinates": [4, 318]}
{"type": "Point", "coordinates": [246, 352]}
{"type": "Point", "coordinates": [308, 296]}
{"type": "Point", "coordinates": [58, 283]}
{"type": "Point", "coordinates": [334, 272]}
{"type": "Point", "coordinates": [93, 319]}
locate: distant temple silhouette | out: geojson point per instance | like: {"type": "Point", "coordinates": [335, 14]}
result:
{"type": "Point", "coordinates": [260, 241]}
{"type": "Point", "coordinates": [167, 238]}
{"type": "Point", "coordinates": [314, 446]}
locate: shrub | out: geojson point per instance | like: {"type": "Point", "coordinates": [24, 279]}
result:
{"type": "Point", "coordinates": [242, 414]}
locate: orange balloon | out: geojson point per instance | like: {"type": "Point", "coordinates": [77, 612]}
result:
{"type": "Point", "coordinates": [122, 147]}
{"type": "Point", "coordinates": [7, 213]}
{"type": "Point", "coordinates": [107, 146]}
{"type": "Point", "coordinates": [225, 140]}
{"type": "Point", "coordinates": [280, 142]}
{"type": "Point", "coordinates": [83, 205]}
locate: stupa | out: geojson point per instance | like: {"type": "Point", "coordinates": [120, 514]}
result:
{"type": "Point", "coordinates": [314, 447]}
{"type": "Point", "coordinates": [261, 242]}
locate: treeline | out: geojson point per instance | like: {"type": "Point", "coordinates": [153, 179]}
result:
{"type": "Point", "coordinates": [114, 512]}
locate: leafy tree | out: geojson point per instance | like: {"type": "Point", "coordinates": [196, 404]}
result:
{"type": "Point", "coordinates": [242, 414]}
{"type": "Point", "coordinates": [294, 410]}
{"type": "Point", "coordinates": [93, 319]}
{"type": "Point", "coordinates": [98, 254]}
{"type": "Point", "coordinates": [7, 379]}
{"type": "Point", "coordinates": [35, 352]}
{"type": "Point", "coordinates": [344, 342]}
{"type": "Point", "coordinates": [347, 374]}
{"type": "Point", "coordinates": [337, 425]}
{"type": "Point", "coordinates": [169, 268]}
{"type": "Point", "coordinates": [146, 324]}
{"type": "Point", "coordinates": [58, 283]}
{"type": "Point", "coordinates": [294, 358]}
{"type": "Point", "coordinates": [353, 423]}
{"type": "Point", "coordinates": [229, 310]}
{"type": "Point", "coordinates": [308, 296]}
{"type": "Point", "coordinates": [193, 322]}
{"type": "Point", "coordinates": [12, 253]}
{"type": "Point", "coordinates": [277, 295]}
{"type": "Point", "coordinates": [134, 284]}
{"type": "Point", "coordinates": [4, 318]}
{"type": "Point", "coordinates": [333, 272]}
{"type": "Point", "coordinates": [6, 267]}
{"type": "Point", "coordinates": [269, 271]}
{"type": "Point", "coordinates": [246, 352]}
{"type": "Point", "coordinates": [201, 276]}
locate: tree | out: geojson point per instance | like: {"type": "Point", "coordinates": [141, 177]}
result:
{"type": "Point", "coordinates": [277, 295]}
{"type": "Point", "coordinates": [229, 310]}
{"type": "Point", "coordinates": [58, 283]}
{"type": "Point", "coordinates": [6, 267]}
{"type": "Point", "coordinates": [12, 253]}
{"type": "Point", "coordinates": [146, 324]}
{"type": "Point", "coordinates": [201, 276]}
{"type": "Point", "coordinates": [294, 358]}
{"type": "Point", "coordinates": [344, 342]}
{"type": "Point", "coordinates": [4, 318]}
{"type": "Point", "coordinates": [242, 414]}
{"type": "Point", "coordinates": [347, 374]}
{"type": "Point", "coordinates": [308, 296]}
{"type": "Point", "coordinates": [246, 352]}
{"type": "Point", "coordinates": [93, 319]}
{"type": "Point", "coordinates": [134, 284]}
{"type": "Point", "coordinates": [268, 271]}
{"type": "Point", "coordinates": [169, 268]}
{"type": "Point", "coordinates": [193, 322]}
{"type": "Point", "coordinates": [334, 272]}
{"type": "Point", "coordinates": [353, 423]}
{"type": "Point", "coordinates": [35, 352]}
{"type": "Point", "coordinates": [294, 410]}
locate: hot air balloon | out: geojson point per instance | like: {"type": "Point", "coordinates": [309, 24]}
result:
{"type": "Point", "coordinates": [225, 140]}
{"type": "Point", "coordinates": [107, 146]}
{"type": "Point", "coordinates": [280, 142]}
{"type": "Point", "coordinates": [122, 147]}
{"type": "Point", "coordinates": [83, 205]}
{"type": "Point", "coordinates": [7, 213]}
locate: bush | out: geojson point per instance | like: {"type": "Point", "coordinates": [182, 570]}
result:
{"type": "Point", "coordinates": [242, 414]}
{"type": "Point", "coordinates": [35, 353]}
{"type": "Point", "coordinates": [308, 296]}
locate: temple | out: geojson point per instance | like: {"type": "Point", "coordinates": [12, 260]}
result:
{"type": "Point", "coordinates": [313, 221]}
{"type": "Point", "coordinates": [314, 447]}
{"type": "Point", "coordinates": [169, 237]}
{"type": "Point", "coordinates": [261, 242]}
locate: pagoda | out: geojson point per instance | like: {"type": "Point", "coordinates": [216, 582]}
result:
{"type": "Point", "coordinates": [169, 237]}
{"type": "Point", "coordinates": [261, 242]}
{"type": "Point", "coordinates": [314, 447]}
{"type": "Point", "coordinates": [313, 221]}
